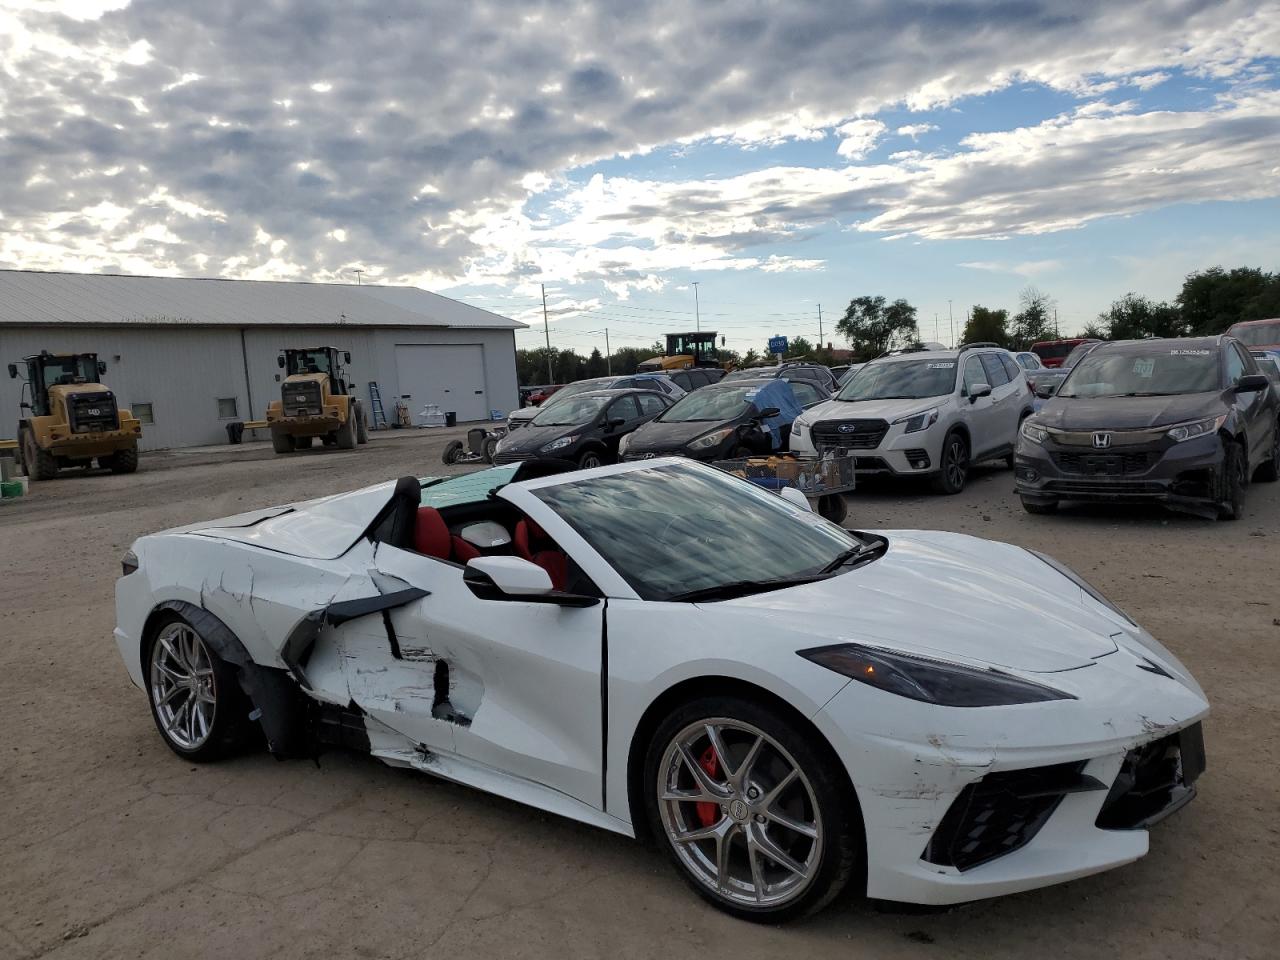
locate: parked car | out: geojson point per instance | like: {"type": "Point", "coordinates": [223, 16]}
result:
{"type": "Point", "coordinates": [1183, 422]}
{"type": "Point", "coordinates": [849, 374]}
{"type": "Point", "coordinates": [1046, 381]}
{"type": "Point", "coordinates": [586, 427]}
{"type": "Point", "coordinates": [693, 378]}
{"type": "Point", "coordinates": [540, 395]}
{"type": "Point", "coordinates": [1053, 352]}
{"type": "Point", "coordinates": [1269, 363]}
{"type": "Point", "coordinates": [645, 381]}
{"type": "Point", "coordinates": [812, 372]}
{"type": "Point", "coordinates": [1257, 334]}
{"type": "Point", "coordinates": [737, 418]}
{"type": "Point", "coordinates": [786, 707]}
{"type": "Point", "coordinates": [923, 413]}
{"type": "Point", "coordinates": [1028, 360]}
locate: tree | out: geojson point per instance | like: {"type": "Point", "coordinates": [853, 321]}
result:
{"type": "Point", "coordinates": [595, 364]}
{"type": "Point", "coordinates": [872, 328]}
{"type": "Point", "coordinates": [1095, 331]}
{"type": "Point", "coordinates": [986, 326]}
{"type": "Point", "coordinates": [798, 347]}
{"type": "Point", "coordinates": [1034, 322]}
{"type": "Point", "coordinates": [1133, 318]}
{"type": "Point", "coordinates": [1212, 300]}
{"type": "Point", "coordinates": [752, 356]}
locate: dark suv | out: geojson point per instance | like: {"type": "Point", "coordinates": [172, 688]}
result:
{"type": "Point", "coordinates": [1184, 422]}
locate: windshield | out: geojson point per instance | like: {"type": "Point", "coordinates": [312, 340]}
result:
{"type": "Point", "coordinates": [572, 390]}
{"type": "Point", "coordinates": [719, 402]}
{"type": "Point", "coordinates": [468, 488]}
{"type": "Point", "coordinates": [65, 370]}
{"type": "Point", "coordinates": [679, 528]}
{"type": "Point", "coordinates": [1078, 351]}
{"type": "Point", "coordinates": [571, 411]}
{"type": "Point", "coordinates": [1153, 372]}
{"type": "Point", "coordinates": [1256, 334]}
{"type": "Point", "coordinates": [308, 361]}
{"type": "Point", "coordinates": [901, 379]}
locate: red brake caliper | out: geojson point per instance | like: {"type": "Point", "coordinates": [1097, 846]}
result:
{"type": "Point", "coordinates": [709, 813]}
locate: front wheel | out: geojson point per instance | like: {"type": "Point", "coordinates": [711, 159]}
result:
{"type": "Point", "coordinates": [1231, 506]}
{"type": "Point", "coordinates": [452, 452]}
{"type": "Point", "coordinates": [283, 442]}
{"type": "Point", "coordinates": [490, 449]}
{"type": "Point", "coordinates": [954, 469]}
{"type": "Point", "coordinates": [362, 427]}
{"type": "Point", "coordinates": [755, 813]}
{"type": "Point", "coordinates": [122, 461]}
{"type": "Point", "coordinates": [590, 460]}
{"type": "Point", "coordinates": [39, 464]}
{"type": "Point", "coordinates": [834, 507]}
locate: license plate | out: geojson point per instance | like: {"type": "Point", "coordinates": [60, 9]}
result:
{"type": "Point", "coordinates": [1102, 466]}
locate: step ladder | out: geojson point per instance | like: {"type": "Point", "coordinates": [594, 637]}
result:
{"type": "Point", "coordinates": [375, 405]}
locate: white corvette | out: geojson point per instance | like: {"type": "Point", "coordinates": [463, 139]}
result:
{"type": "Point", "coordinates": [661, 649]}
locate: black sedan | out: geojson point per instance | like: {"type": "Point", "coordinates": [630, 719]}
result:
{"type": "Point", "coordinates": [1185, 422]}
{"type": "Point", "coordinates": [585, 428]}
{"type": "Point", "coordinates": [730, 419]}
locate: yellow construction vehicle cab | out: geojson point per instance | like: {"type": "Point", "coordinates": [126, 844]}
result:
{"type": "Point", "coordinates": [69, 419]}
{"type": "Point", "coordinates": [315, 401]}
{"type": "Point", "coordinates": [686, 350]}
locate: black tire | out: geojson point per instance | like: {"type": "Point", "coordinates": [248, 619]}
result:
{"type": "Point", "coordinates": [841, 846]}
{"type": "Point", "coordinates": [953, 471]}
{"type": "Point", "coordinates": [282, 442]}
{"type": "Point", "coordinates": [122, 461]}
{"type": "Point", "coordinates": [490, 449]}
{"type": "Point", "coordinates": [39, 464]}
{"type": "Point", "coordinates": [834, 507]}
{"type": "Point", "coordinates": [345, 435]}
{"type": "Point", "coordinates": [1039, 507]}
{"type": "Point", "coordinates": [591, 459]}
{"type": "Point", "coordinates": [1269, 470]}
{"type": "Point", "coordinates": [452, 452]}
{"type": "Point", "coordinates": [1231, 482]}
{"type": "Point", "coordinates": [231, 730]}
{"type": "Point", "coordinates": [1011, 459]}
{"type": "Point", "coordinates": [362, 427]}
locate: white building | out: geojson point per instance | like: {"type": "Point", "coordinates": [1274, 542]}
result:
{"type": "Point", "coordinates": [189, 356]}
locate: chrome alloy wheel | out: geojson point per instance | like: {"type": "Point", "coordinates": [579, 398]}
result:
{"type": "Point", "coordinates": [739, 812]}
{"type": "Point", "coordinates": [183, 689]}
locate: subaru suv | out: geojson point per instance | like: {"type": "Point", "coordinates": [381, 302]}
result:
{"type": "Point", "coordinates": [923, 413]}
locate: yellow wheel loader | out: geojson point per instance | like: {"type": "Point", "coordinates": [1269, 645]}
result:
{"type": "Point", "coordinates": [686, 350]}
{"type": "Point", "coordinates": [69, 419]}
{"type": "Point", "coordinates": [315, 401]}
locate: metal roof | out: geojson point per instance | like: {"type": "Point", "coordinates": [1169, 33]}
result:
{"type": "Point", "coordinates": [31, 297]}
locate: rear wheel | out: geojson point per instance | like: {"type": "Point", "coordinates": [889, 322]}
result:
{"type": "Point", "coordinates": [196, 701]}
{"type": "Point", "coordinates": [122, 461]}
{"type": "Point", "coordinates": [834, 507]}
{"type": "Point", "coordinates": [362, 428]}
{"type": "Point", "coordinates": [39, 464]}
{"type": "Point", "coordinates": [954, 469]}
{"type": "Point", "coordinates": [345, 435]}
{"type": "Point", "coordinates": [1269, 470]}
{"type": "Point", "coordinates": [282, 442]}
{"type": "Point", "coordinates": [756, 816]}
{"type": "Point", "coordinates": [1231, 506]}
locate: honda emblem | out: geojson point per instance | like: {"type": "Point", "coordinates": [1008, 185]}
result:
{"type": "Point", "coordinates": [1102, 440]}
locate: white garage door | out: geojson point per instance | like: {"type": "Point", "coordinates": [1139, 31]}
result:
{"type": "Point", "coordinates": [449, 375]}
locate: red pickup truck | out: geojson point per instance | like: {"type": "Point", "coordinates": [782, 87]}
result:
{"type": "Point", "coordinates": [1053, 352]}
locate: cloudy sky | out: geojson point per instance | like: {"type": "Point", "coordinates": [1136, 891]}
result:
{"type": "Point", "coordinates": [780, 153]}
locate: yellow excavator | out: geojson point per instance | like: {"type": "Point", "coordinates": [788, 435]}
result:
{"type": "Point", "coordinates": [315, 401]}
{"type": "Point", "coordinates": [69, 419]}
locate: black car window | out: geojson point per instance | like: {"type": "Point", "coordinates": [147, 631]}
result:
{"type": "Point", "coordinates": [650, 404]}
{"type": "Point", "coordinates": [1237, 364]}
{"type": "Point", "coordinates": [1026, 361]}
{"type": "Point", "coordinates": [700, 378]}
{"type": "Point", "coordinates": [997, 375]}
{"type": "Point", "coordinates": [973, 374]}
{"type": "Point", "coordinates": [806, 393]}
{"type": "Point", "coordinates": [682, 380]}
{"type": "Point", "coordinates": [624, 407]}
{"type": "Point", "coordinates": [1010, 366]}
{"type": "Point", "coordinates": [581, 409]}
{"type": "Point", "coordinates": [626, 384]}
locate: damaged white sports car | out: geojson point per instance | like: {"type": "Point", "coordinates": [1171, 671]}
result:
{"type": "Point", "coordinates": [659, 648]}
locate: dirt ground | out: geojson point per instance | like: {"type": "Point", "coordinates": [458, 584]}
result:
{"type": "Point", "coordinates": [112, 847]}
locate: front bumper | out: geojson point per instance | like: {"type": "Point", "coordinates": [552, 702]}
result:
{"type": "Point", "coordinates": [1182, 474]}
{"type": "Point", "coordinates": [305, 426]}
{"type": "Point", "coordinates": [897, 453]}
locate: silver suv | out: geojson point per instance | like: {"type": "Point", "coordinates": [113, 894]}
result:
{"type": "Point", "coordinates": [923, 413]}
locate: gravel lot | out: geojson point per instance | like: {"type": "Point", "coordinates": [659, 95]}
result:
{"type": "Point", "coordinates": [112, 847]}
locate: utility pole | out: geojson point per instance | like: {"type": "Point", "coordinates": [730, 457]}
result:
{"type": "Point", "coordinates": [608, 354]}
{"type": "Point", "coordinates": [358, 277]}
{"type": "Point", "coordinates": [547, 330]}
{"type": "Point", "coordinates": [1057, 334]}
{"type": "Point", "coordinates": [953, 325]}
{"type": "Point", "coordinates": [697, 312]}
{"type": "Point", "coordinates": [821, 342]}
{"type": "Point", "coordinates": [935, 326]}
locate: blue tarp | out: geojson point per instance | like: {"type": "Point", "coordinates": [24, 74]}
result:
{"type": "Point", "coordinates": [776, 393]}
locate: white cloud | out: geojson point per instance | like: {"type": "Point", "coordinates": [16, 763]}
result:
{"type": "Point", "coordinates": [860, 138]}
{"type": "Point", "coordinates": [914, 130]}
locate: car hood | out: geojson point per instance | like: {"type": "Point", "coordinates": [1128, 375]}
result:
{"type": "Point", "coordinates": [533, 437]}
{"type": "Point", "coordinates": [524, 414]}
{"type": "Point", "coordinates": [953, 597]}
{"type": "Point", "coordinates": [869, 409]}
{"type": "Point", "coordinates": [1127, 413]}
{"type": "Point", "coordinates": [657, 435]}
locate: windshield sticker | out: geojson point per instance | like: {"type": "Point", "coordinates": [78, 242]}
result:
{"type": "Point", "coordinates": [942, 366]}
{"type": "Point", "coordinates": [1190, 353]}
{"type": "Point", "coordinates": [1144, 367]}
{"type": "Point", "coordinates": [751, 394]}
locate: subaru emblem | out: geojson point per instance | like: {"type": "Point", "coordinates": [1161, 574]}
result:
{"type": "Point", "coordinates": [847, 427]}
{"type": "Point", "coordinates": [1102, 440]}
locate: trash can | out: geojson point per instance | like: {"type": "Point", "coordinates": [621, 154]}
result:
{"type": "Point", "coordinates": [235, 431]}
{"type": "Point", "coordinates": [451, 418]}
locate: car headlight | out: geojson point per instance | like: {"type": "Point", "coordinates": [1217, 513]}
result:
{"type": "Point", "coordinates": [798, 428]}
{"type": "Point", "coordinates": [128, 563]}
{"type": "Point", "coordinates": [919, 421]}
{"type": "Point", "coordinates": [1197, 428]}
{"type": "Point", "coordinates": [1083, 584]}
{"type": "Point", "coordinates": [623, 444]}
{"type": "Point", "coordinates": [711, 439]}
{"type": "Point", "coordinates": [930, 681]}
{"type": "Point", "coordinates": [560, 444]}
{"type": "Point", "coordinates": [1033, 431]}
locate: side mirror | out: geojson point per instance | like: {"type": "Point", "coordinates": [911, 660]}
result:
{"type": "Point", "coordinates": [615, 422]}
{"type": "Point", "coordinates": [979, 390]}
{"type": "Point", "coordinates": [102, 367]}
{"type": "Point", "coordinates": [768, 412]}
{"type": "Point", "coordinates": [516, 579]}
{"type": "Point", "coordinates": [792, 495]}
{"type": "Point", "coordinates": [346, 356]}
{"type": "Point", "coordinates": [24, 405]}
{"type": "Point", "coordinates": [280, 361]}
{"type": "Point", "coordinates": [13, 371]}
{"type": "Point", "coordinates": [1252, 382]}
{"type": "Point", "coordinates": [1046, 390]}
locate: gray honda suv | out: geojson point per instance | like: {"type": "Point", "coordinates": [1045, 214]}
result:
{"type": "Point", "coordinates": [1183, 422]}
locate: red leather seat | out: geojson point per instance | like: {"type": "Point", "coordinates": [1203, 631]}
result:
{"type": "Point", "coordinates": [431, 535]}
{"type": "Point", "coordinates": [463, 551]}
{"type": "Point", "coordinates": [532, 543]}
